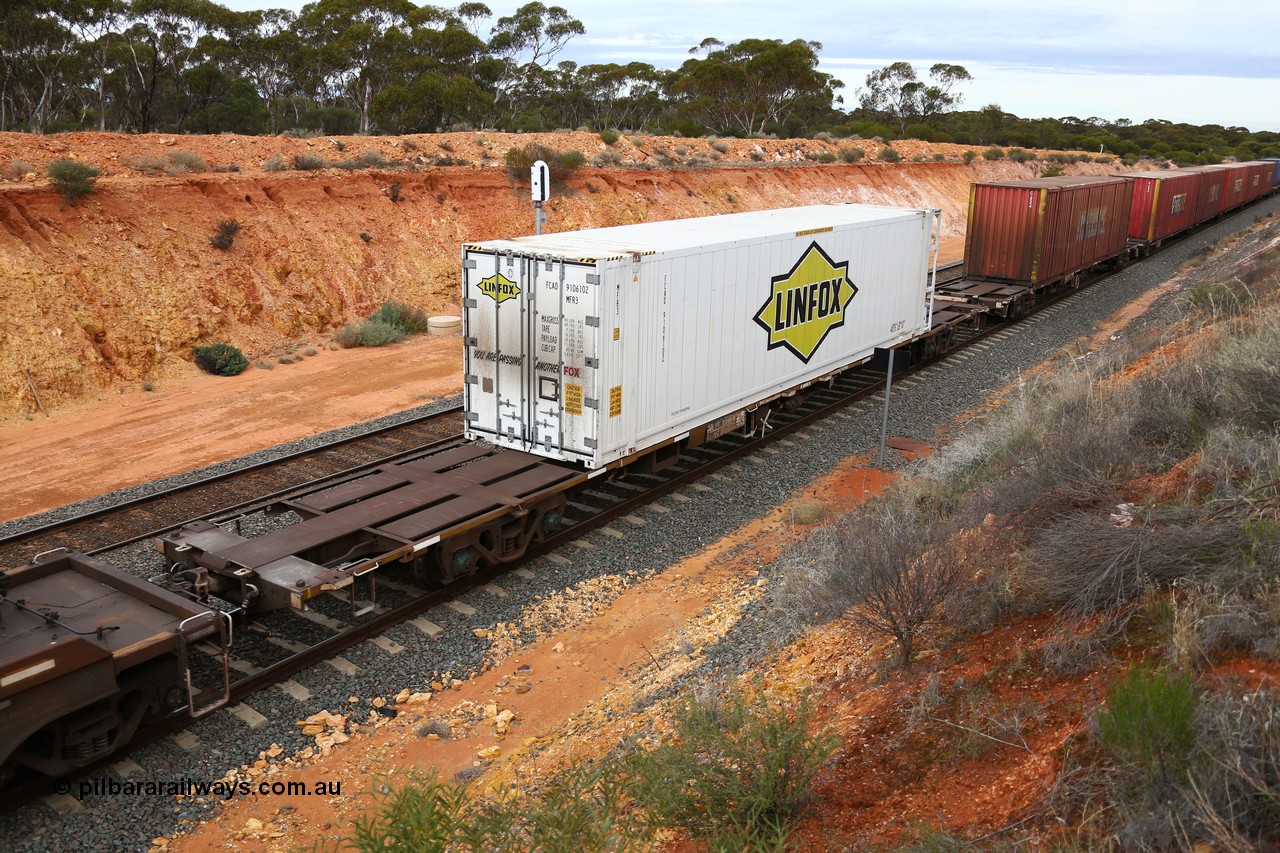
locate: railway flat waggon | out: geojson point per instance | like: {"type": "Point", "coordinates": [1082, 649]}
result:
{"type": "Point", "coordinates": [88, 653]}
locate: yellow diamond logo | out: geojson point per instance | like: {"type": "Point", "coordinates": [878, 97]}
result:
{"type": "Point", "coordinates": [499, 288]}
{"type": "Point", "coordinates": [805, 304]}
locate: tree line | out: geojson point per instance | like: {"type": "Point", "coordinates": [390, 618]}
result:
{"type": "Point", "coordinates": [392, 67]}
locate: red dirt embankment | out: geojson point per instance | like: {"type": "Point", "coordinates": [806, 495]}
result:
{"type": "Point", "coordinates": [118, 288]}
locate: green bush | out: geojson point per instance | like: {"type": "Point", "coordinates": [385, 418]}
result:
{"type": "Point", "coordinates": [220, 359]}
{"type": "Point", "coordinates": [308, 162]}
{"type": "Point", "coordinates": [720, 145]}
{"type": "Point", "coordinates": [1020, 155]}
{"type": "Point", "coordinates": [970, 155]}
{"type": "Point", "coordinates": [733, 766]}
{"type": "Point", "coordinates": [939, 157]}
{"type": "Point", "coordinates": [1051, 171]}
{"type": "Point", "coordinates": [826, 157]}
{"type": "Point", "coordinates": [851, 153]}
{"type": "Point", "coordinates": [1150, 722]}
{"type": "Point", "coordinates": [370, 333]}
{"type": "Point", "coordinates": [993, 154]}
{"type": "Point", "coordinates": [410, 320]}
{"type": "Point", "coordinates": [609, 136]}
{"type": "Point", "coordinates": [889, 155]}
{"type": "Point", "coordinates": [561, 164]}
{"type": "Point", "coordinates": [72, 178]}
{"type": "Point", "coordinates": [579, 810]}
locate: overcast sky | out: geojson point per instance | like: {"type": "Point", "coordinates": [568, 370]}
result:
{"type": "Point", "coordinates": [1189, 61]}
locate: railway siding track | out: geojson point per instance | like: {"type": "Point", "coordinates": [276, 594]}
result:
{"type": "Point", "coordinates": [141, 517]}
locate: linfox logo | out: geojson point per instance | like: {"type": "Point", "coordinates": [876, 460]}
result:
{"type": "Point", "coordinates": [805, 304]}
{"type": "Point", "coordinates": [499, 288]}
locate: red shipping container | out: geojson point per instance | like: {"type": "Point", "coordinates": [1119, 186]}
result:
{"type": "Point", "coordinates": [1164, 203]}
{"type": "Point", "coordinates": [1213, 183]}
{"type": "Point", "coordinates": [1233, 192]}
{"type": "Point", "coordinates": [1258, 179]}
{"type": "Point", "coordinates": [1039, 230]}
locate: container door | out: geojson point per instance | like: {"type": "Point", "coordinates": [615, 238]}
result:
{"type": "Point", "coordinates": [580, 361]}
{"type": "Point", "coordinates": [497, 329]}
{"type": "Point", "coordinates": [546, 370]}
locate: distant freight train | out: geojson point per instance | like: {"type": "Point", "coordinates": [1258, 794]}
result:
{"type": "Point", "coordinates": [611, 350]}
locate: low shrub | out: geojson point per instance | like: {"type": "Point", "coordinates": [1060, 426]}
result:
{"type": "Point", "coordinates": [582, 809]}
{"type": "Point", "coordinates": [609, 136]}
{"type": "Point", "coordinates": [185, 163]}
{"type": "Point", "coordinates": [1051, 171]}
{"type": "Point", "coordinates": [890, 155]}
{"type": "Point", "coordinates": [561, 164]}
{"type": "Point", "coordinates": [370, 333]}
{"type": "Point", "coordinates": [1150, 722]}
{"type": "Point", "coordinates": [851, 154]}
{"type": "Point", "coordinates": [410, 320]}
{"type": "Point", "coordinates": [993, 154]}
{"type": "Point", "coordinates": [220, 359]}
{"type": "Point", "coordinates": [720, 145]}
{"type": "Point", "coordinates": [150, 166]}
{"type": "Point", "coordinates": [72, 178]}
{"type": "Point", "coordinates": [274, 163]}
{"type": "Point", "coordinates": [734, 767]}
{"type": "Point", "coordinates": [1020, 155]}
{"type": "Point", "coordinates": [939, 157]}
{"type": "Point", "coordinates": [608, 158]}
{"type": "Point", "coordinates": [826, 157]}
{"type": "Point", "coordinates": [225, 234]}
{"type": "Point", "coordinates": [969, 155]}
{"type": "Point", "coordinates": [308, 162]}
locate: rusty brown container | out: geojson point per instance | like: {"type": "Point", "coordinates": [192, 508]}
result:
{"type": "Point", "coordinates": [1213, 182]}
{"type": "Point", "coordinates": [1164, 203]}
{"type": "Point", "coordinates": [1259, 179]}
{"type": "Point", "coordinates": [1040, 230]}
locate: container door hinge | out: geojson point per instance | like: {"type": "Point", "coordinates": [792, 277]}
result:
{"type": "Point", "coordinates": [469, 263]}
{"type": "Point", "coordinates": [592, 278]}
{"type": "Point", "coordinates": [589, 442]}
{"type": "Point", "coordinates": [593, 362]}
{"type": "Point", "coordinates": [590, 403]}
{"type": "Point", "coordinates": [593, 321]}
{"type": "Point", "coordinates": [472, 417]}
{"type": "Point", "coordinates": [471, 379]}
{"type": "Point", "coordinates": [470, 341]}
{"type": "Point", "coordinates": [468, 303]}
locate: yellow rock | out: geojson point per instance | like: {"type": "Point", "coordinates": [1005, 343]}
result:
{"type": "Point", "coordinates": [312, 731]}
{"type": "Point", "coordinates": [380, 702]}
{"type": "Point", "coordinates": [419, 698]}
{"type": "Point", "coordinates": [275, 749]}
{"type": "Point", "coordinates": [490, 752]}
{"type": "Point", "coordinates": [253, 825]}
{"type": "Point", "coordinates": [483, 633]}
{"type": "Point", "coordinates": [491, 710]}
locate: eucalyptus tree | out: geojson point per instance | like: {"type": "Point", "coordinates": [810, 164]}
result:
{"type": "Point", "coordinates": [746, 86]}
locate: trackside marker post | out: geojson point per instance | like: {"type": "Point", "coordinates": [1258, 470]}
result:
{"type": "Point", "coordinates": [540, 185]}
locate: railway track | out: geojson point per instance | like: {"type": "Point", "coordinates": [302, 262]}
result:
{"type": "Point", "coordinates": [140, 518]}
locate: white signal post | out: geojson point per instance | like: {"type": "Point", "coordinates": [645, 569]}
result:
{"type": "Point", "coordinates": [540, 182]}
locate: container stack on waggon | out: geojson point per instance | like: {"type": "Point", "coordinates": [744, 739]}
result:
{"type": "Point", "coordinates": [591, 346]}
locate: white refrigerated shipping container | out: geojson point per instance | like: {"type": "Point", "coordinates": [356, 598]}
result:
{"type": "Point", "coordinates": [593, 346]}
